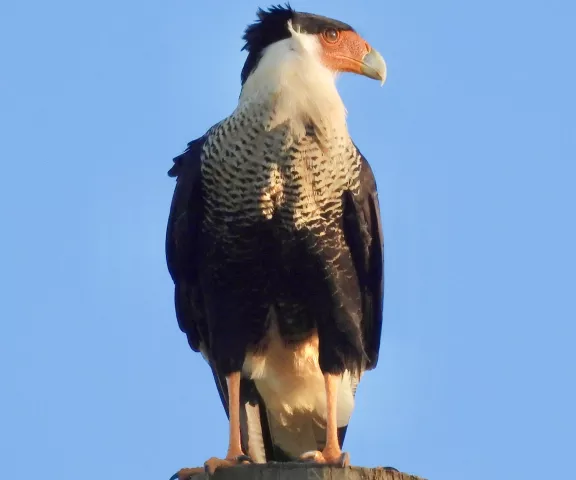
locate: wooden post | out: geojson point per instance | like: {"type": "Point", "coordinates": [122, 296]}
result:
{"type": "Point", "coordinates": [299, 471]}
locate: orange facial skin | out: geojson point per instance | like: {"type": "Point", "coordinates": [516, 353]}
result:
{"type": "Point", "coordinates": [343, 51]}
{"type": "Point", "coordinates": [346, 51]}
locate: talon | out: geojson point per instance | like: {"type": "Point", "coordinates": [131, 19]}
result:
{"type": "Point", "coordinates": [344, 459]}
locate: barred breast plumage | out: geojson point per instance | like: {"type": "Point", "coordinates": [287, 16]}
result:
{"type": "Point", "coordinates": [254, 170]}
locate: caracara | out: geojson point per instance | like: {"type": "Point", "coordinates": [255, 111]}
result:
{"type": "Point", "coordinates": [275, 244]}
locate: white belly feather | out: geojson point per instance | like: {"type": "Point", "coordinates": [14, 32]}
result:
{"type": "Point", "coordinates": [289, 379]}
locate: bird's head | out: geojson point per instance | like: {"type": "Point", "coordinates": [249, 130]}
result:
{"type": "Point", "coordinates": [281, 31]}
{"type": "Point", "coordinates": [293, 60]}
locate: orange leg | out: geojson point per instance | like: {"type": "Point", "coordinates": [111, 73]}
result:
{"type": "Point", "coordinates": [332, 453]}
{"type": "Point", "coordinates": [235, 455]}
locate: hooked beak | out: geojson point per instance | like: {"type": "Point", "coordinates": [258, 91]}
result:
{"type": "Point", "coordinates": [374, 66]}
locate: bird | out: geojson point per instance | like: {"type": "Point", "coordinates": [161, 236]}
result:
{"type": "Point", "coordinates": [275, 246]}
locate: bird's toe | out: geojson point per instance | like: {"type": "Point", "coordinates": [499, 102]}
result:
{"type": "Point", "coordinates": [313, 456]}
{"type": "Point", "coordinates": [214, 463]}
{"type": "Point", "coordinates": [186, 473]}
{"type": "Point", "coordinates": [336, 458]}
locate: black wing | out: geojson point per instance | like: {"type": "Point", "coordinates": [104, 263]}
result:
{"type": "Point", "coordinates": [183, 250]}
{"type": "Point", "coordinates": [183, 236]}
{"type": "Point", "coordinates": [183, 254]}
{"type": "Point", "coordinates": [363, 231]}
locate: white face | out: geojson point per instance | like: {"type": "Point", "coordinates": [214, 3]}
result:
{"type": "Point", "coordinates": [292, 75]}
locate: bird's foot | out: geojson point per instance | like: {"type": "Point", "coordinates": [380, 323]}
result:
{"type": "Point", "coordinates": [213, 463]}
{"type": "Point", "coordinates": [186, 473]}
{"type": "Point", "coordinates": [327, 457]}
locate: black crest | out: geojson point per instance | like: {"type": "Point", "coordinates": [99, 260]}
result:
{"type": "Point", "coordinates": [272, 26]}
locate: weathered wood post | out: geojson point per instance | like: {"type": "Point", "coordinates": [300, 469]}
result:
{"type": "Point", "coordinates": [298, 471]}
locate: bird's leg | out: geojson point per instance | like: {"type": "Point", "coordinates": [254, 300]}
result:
{"type": "Point", "coordinates": [332, 453]}
{"type": "Point", "coordinates": [235, 454]}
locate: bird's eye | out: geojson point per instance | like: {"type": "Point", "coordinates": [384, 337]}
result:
{"type": "Point", "coordinates": [331, 35]}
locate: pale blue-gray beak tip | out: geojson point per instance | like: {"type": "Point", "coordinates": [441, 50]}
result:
{"type": "Point", "coordinates": [374, 66]}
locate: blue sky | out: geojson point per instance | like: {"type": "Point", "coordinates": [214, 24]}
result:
{"type": "Point", "coordinates": [473, 142]}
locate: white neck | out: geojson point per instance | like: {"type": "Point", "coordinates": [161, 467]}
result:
{"type": "Point", "coordinates": [299, 89]}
